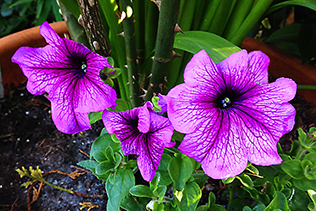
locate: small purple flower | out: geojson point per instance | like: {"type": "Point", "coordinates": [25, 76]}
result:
{"type": "Point", "coordinates": [230, 113]}
{"type": "Point", "coordinates": [69, 73]}
{"type": "Point", "coordinates": [141, 132]}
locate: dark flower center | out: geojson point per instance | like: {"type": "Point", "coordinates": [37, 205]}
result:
{"type": "Point", "coordinates": [80, 64]}
{"type": "Point", "coordinates": [225, 100]}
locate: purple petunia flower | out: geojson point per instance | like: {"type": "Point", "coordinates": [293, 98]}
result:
{"type": "Point", "coordinates": [69, 73]}
{"type": "Point", "coordinates": [230, 113]}
{"type": "Point", "coordinates": [141, 132]}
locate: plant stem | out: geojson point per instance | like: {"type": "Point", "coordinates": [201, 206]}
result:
{"type": "Point", "coordinates": [110, 12]}
{"type": "Point", "coordinates": [131, 54]}
{"type": "Point", "coordinates": [239, 13]}
{"type": "Point", "coordinates": [168, 16]}
{"type": "Point", "coordinates": [76, 31]}
{"type": "Point", "coordinates": [310, 87]}
{"type": "Point", "coordinates": [209, 15]}
{"type": "Point", "coordinates": [254, 16]}
{"type": "Point", "coordinates": [90, 12]}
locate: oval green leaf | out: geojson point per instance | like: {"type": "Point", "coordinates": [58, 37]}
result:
{"type": "Point", "coordinates": [193, 41]}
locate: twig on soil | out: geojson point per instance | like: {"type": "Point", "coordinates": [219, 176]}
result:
{"type": "Point", "coordinates": [86, 154]}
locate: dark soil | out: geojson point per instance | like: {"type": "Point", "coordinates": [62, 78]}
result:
{"type": "Point", "coordinates": [28, 137]}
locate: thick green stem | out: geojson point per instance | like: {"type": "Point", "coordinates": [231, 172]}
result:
{"type": "Point", "coordinates": [221, 16]}
{"type": "Point", "coordinates": [209, 14]}
{"type": "Point", "coordinates": [186, 15]}
{"type": "Point", "coordinates": [139, 24]}
{"type": "Point", "coordinates": [168, 16]}
{"type": "Point", "coordinates": [239, 13]}
{"type": "Point", "coordinates": [131, 54]}
{"type": "Point", "coordinates": [90, 12]}
{"type": "Point", "coordinates": [310, 87]}
{"type": "Point", "coordinates": [254, 16]}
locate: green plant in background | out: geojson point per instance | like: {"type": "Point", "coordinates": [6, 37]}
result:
{"type": "Point", "coordinates": [21, 14]}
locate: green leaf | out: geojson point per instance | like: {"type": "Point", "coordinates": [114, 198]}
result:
{"type": "Point", "coordinates": [245, 180]}
{"type": "Point", "coordinates": [158, 207]}
{"type": "Point", "coordinates": [180, 169]}
{"type": "Point", "coordinates": [217, 207]}
{"type": "Point", "coordinates": [279, 202]}
{"type": "Point", "coordinates": [252, 169]}
{"type": "Point", "coordinates": [298, 200]}
{"type": "Point", "coordinates": [259, 207]}
{"type": "Point", "coordinates": [122, 105]}
{"type": "Point", "coordinates": [203, 208]}
{"type": "Point", "coordinates": [163, 170]}
{"type": "Point", "coordinates": [6, 10]}
{"type": "Point", "coordinates": [154, 100]}
{"type": "Point", "coordinates": [228, 180]}
{"type": "Point", "coordinates": [95, 116]}
{"type": "Point", "coordinates": [88, 164]}
{"type": "Point", "coordinates": [293, 168]}
{"type": "Point", "coordinates": [305, 184]}
{"type": "Point", "coordinates": [189, 197]}
{"type": "Point", "coordinates": [211, 199]}
{"type": "Point", "coordinates": [304, 3]}
{"type": "Point", "coordinates": [99, 146]}
{"type": "Point", "coordinates": [72, 6]}
{"type": "Point", "coordinates": [130, 204]}
{"type": "Point", "coordinates": [153, 184]}
{"type": "Point", "coordinates": [312, 195]}
{"type": "Point", "coordinates": [117, 187]}
{"type": "Point", "coordinates": [160, 192]}
{"type": "Point", "coordinates": [104, 167]}
{"type": "Point", "coordinates": [20, 2]}
{"type": "Point", "coordinates": [217, 47]}
{"type": "Point", "coordinates": [246, 208]}
{"type": "Point", "coordinates": [141, 191]}
{"type": "Point", "coordinates": [109, 154]}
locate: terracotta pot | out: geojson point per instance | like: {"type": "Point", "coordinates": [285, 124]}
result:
{"type": "Point", "coordinates": [283, 64]}
{"type": "Point", "coordinates": [11, 72]}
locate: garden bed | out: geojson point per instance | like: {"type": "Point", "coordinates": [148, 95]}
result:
{"type": "Point", "coordinates": [28, 137]}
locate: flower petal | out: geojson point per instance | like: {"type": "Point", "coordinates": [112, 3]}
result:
{"type": "Point", "coordinates": [235, 73]}
{"type": "Point", "coordinates": [258, 64]}
{"type": "Point", "coordinates": [260, 134]}
{"type": "Point", "coordinates": [189, 107]}
{"type": "Point", "coordinates": [217, 146]}
{"type": "Point", "coordinates": [94, 94]}
{"type": "Point", "coordinates": [51, 37]}
{"type": "Point", "coordinates": [121, 121]}
{"type": "Point", "coordinates": [64, 116]}
{"type": "Point", "coordinates": [143, 119]}
{"type": "Point", "coordinates": [201, 71]}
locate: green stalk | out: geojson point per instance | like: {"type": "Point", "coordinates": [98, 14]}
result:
{"type": "Point", "coordinates": [221, 16]}
{"type": "Point", "coordinates": [239, 13]}
{"type": "Point", "coordinates": [139, 25]}
{"type": "Point", "coordinates": [210, 14]}
{"type": "Point", "coordinates": [310, 87]}
{"type": "Point", "coordinates": [185, 20]}
{"type": "Point", "coordinates": [110, 12]}
{"type": "Point", "coordinates": [151, 24]}
{"type": "Point", "coordinates": [254, 16]}
{"type": "Point", "coordinates": [168, 16]}
{"type": "Point", "coordinates": [131, 54]}
{"type": "Point", "coordinates": [200, 9]}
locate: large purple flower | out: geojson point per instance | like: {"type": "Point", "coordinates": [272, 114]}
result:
{"type": "Point", "coordinates": [229, 112]}
{"type": "Point", "coordinates": [69, 73]}
{"type": "Point", "coordinates": [141, 132]}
